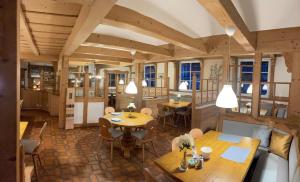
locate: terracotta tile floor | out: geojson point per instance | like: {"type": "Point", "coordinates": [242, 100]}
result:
{"type": "Point", "coordinates": [70, 155]}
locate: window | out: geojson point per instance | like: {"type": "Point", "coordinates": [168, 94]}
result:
{"type": "Point", "coordinates": [113, 79]}
{"type": "Point", "coordinates": [187, 69]}
{"type": "Point", "coordinates": [150, 75]}
{"type": "Point", "coordinates": [247, 75]}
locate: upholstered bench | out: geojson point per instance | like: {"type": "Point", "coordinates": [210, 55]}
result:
{"type": "Point", "coordinates": [269, 167]}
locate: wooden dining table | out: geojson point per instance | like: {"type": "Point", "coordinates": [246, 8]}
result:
{"type": "Point", "coordinates": [176, 105]}
{"type": "Point", "coordinates": [129, 121]}
{"type": "Point", "coordinates": [216, 168]}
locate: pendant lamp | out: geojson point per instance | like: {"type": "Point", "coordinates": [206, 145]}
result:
{"type": "Point", "coordinates": [227, 97]}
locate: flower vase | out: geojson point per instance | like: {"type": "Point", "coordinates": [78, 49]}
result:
{"type": "Point", "coordinates": [183, 163]}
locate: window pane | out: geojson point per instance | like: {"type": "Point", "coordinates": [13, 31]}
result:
{"type": "Point", "coordinates": [185, 67]}
{"type": "Point", "coordinates": [197, 75]}
{"type": "Point", "coordinates": [198, 85]}
{"type": "Point", "coordinates": [147, 69]}
{"type": "Point", "coordinates": [152, 83]}
{"type": "Point", "coordinates": [247, 68]}
{"type": "Point", "coordinates": [264, 66]}
{"type": "Point", "coordinates": [195, 66]}
{"type": "Point", "coordinates": [147, 75]}
{"type": "Point", "coordinates": [244, 88]}
{"type": "Point", "coordinates": [263, 90]}
{"type": "Point", "coordinates": [153, 75]}
{"type": "Point", "coordinates": [264, 77]}
{"type": "Point", "coordinates": [246, 77]}
{"type": "Point", "coordinates": [152, 69]}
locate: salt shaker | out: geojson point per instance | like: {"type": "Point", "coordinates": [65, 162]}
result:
{"type": "Point", "coordinates": [200, 163]}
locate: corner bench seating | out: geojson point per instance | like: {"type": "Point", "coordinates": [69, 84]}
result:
{"type": "Point", "coordinates": [269, 167]}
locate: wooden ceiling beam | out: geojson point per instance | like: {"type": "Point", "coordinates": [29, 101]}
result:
{"type": "Point", "coordinates": [90, 16]}
{"type": "Point", "coordinates": [27, 33]}
{"type": "Point", "coordinates": [126, 18]}
{"type": "Point", "coordinates": [38, 58]}
{"type": "Point", "coordinates": [86, 60]}
{"type": "Point", "coordinates": [127, 44]}
{"type": "Point", "coordinates": [227, 15]}
{"type": "Point", "coordinates": [110, 52]}
{"type": "Point", "coordinates": [103, 58]}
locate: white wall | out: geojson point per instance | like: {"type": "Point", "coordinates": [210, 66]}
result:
{"type": "Point", "coordinates": [281, 75]}
{"type": "Point", "coordinates": [171, 74]}
{"type": "Point", "coordinates": [208, 63]}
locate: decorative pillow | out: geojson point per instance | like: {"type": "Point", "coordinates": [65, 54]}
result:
{"type": "Point", "coordinates": [280, 144]}
{"type": "Point", "coordinates": [263, 133]}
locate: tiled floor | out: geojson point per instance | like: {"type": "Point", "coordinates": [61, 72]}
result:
{"type": "Point", "coordinates": [70, 155]}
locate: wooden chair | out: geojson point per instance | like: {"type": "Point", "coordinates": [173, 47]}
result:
{"type": "Point", "coordinates": [196, 133]}
{"type": "Point", "coordinates": [151, 177]}
{"type": "Point", "coordinates": [109, 110]}
{"type": "Point", "coordinates": [185, 114]}
{"type": "Point", "coordinates": [31, 147]}
{"type": "Point", "coordinates": [147, 111]}
{"type": "Point", "coordinates": [109, 134]}
{"type": "Point", "coordinates": [174, 144]}
{"type": "Point", "coordinates": [164, 112]}
{"type": "Point", "coordinates": [145, 136]}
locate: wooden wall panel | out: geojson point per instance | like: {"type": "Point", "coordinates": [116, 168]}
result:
{"type": "Point", "coordinates": [9, 90]}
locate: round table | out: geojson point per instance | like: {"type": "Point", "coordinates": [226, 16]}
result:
{"type": "Point", "coordinates": [128, 121]}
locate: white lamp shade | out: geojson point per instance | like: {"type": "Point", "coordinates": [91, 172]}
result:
{"type": "Point", "coordinates": [121, 82]}
{"type": "Point", "coordinates": [227, 98]}
{"type": "Point", "coordinates": [249, 90]}
{"type": "Point", "coordinates": [183, 86]}
{"type": "Point", "coordinates": [131, 88]}
{"type": "Point", "coordinates": [144, 83]}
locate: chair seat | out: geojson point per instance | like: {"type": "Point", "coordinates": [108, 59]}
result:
{"type": "Point", "coordinates": [182, 113]}
{"type": "Point", "coordinates": [115, 133]}
{"type": "Point", "coordinates": [166, 113]}
{"type": "Point", "coordinates": [29, 145]}
{"type": "Point", "coordinates": [139, 134]}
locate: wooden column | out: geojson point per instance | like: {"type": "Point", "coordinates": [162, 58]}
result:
{"type": "Point", "coordinates": [105, 84]}
{"type": "Point", "coordinates": [139, 76]}
{"type": "Point", "coordinates": [294, 106]}
{"type": "Point", "coordinates": [234, 73]}
{"type": "Point", "coordinates": [9, 90]}
{"type": "Point", "coordinates": [272, 73]}
{"type": "Point", "coordinates": [64, 74]}
{"type": "Point", "coordinates": [176, 75]}
{"type": "Point", "coordinates": [256, 85]}
{"type": "Point", "coordinates": [85, 97]}
{"type": "Point", "coordinates": [166, 71]}
{"type": "Point", "coordinates": [194, 89]}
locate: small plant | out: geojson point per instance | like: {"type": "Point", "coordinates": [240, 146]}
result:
{"type": "Point", "coordinates": [185, 142]}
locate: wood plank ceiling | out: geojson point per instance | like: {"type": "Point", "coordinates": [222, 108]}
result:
{"type": "Point", "coordinates": [66, 27]}
{"type": "Point", "coordinates": [49, 23]}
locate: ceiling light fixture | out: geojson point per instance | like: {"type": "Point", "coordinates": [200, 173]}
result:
{"type": "Point", "coordinates": [227, 97]}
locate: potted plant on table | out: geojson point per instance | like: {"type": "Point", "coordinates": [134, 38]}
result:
{"type": "Point", "coordinates": [185, 142]}
{"type": "Point", "coordinates": [131, 107]}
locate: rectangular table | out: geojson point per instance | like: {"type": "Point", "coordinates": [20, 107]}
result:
{"type": "Point", "coordinates": [216, 168]}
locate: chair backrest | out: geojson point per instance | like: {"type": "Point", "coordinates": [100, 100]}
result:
{"type": "Point", "coordinates": [174, 144]}
{"type": "Point", "coordinates": [196, 133]}
{"type": "Point", "coordinates": [109, 110]}
{"type": "Point", "coordinates": [41, 134]}
{"type": "Point", "coordinates": [147, 111]}
{"type": "Point", "coordinates": [161, 108]}
{"type": "Point", "coordinates": [105, 125]}
{"type": "Point", "coordinates": [150, 130]}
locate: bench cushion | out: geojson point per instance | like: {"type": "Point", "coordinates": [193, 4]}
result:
{"type": "Point", "coordinates": [271, 167]}
{"type": "Point", "coordinates": [293, 160]}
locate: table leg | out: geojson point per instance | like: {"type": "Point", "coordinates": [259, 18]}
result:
{"type": "Point", "coordinates": [127, 142]}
